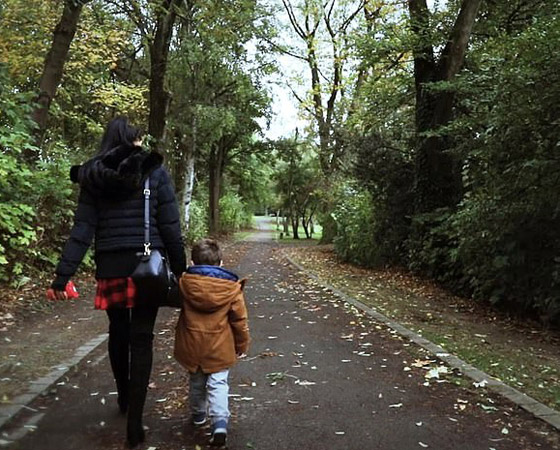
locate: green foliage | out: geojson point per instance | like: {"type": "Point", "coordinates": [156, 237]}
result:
{"type": "Point", "coordinates": [34, 202]}
{"type": "Point", "coordinates": [198, 221]}
{"type": "Point", "coordinates": [507, 224]}
{"type": "Point", "coordinates": [354, 215]}
{"type": "Point", "coordinates": [298, 183]}
{"type": "Point", "coordinates": [234, 214]}
{"type": "Point", "coordinates": [501, 242]}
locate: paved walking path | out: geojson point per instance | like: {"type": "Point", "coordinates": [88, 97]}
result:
{"type": "Point", "coordinates": [320, 375]}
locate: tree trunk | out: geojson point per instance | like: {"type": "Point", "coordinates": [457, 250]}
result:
{"type": "Point", "coordinates": [53, 69]}
{"type": "Point", "coordinates": [189, 186]}
{"type": "Point", "coordinates": [438, 179]}
{"type": "Point", "coordinates": [159, 51]}
{"type": "Point", "coordinates": [216, 167]}
{"type": "Point", "coordinates": [295, 225]}
{"type": "Point", "coordinates": [305, 227]}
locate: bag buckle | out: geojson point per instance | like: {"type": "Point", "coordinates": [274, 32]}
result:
{"type": "Point", "coordinates": [147, 192]}
{"type": "Point", "coordinates": [147, 250]}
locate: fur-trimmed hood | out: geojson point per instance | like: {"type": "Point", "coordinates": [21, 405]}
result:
{"type": "Point", "coordinates": [117, 173]}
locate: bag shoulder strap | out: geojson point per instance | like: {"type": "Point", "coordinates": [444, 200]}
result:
{"type": "Point", "coordinates": [147, 242]}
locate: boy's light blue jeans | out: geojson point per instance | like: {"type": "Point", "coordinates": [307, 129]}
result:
{"type": "Point", "coordinates": [209, 394]}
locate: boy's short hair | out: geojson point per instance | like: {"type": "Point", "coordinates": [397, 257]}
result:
{"type": "Point", "coordinates": [206, 252]}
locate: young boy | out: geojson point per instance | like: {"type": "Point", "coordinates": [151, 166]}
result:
{"type": "Point", "coordinates": [211, 334]}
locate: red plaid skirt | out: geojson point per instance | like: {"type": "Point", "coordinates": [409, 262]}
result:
{"type": "Point", "coordinates": [115, 293]}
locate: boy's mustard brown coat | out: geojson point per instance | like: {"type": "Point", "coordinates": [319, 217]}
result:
{"type": "Point", "coordinates": [212, 327]}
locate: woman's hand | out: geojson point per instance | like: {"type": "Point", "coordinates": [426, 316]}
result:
{"type": "Point", "coordinates": [56, 295]}
{"type": "Point", "coordinates": [60, 295]}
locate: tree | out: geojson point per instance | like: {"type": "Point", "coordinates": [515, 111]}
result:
{"type": "Point", "coordinates": [298, 179]}
{"type": "Point", "coordinates": [212, 81]}
{"type": "Point", "coordinates": [159, 50]}
{"type": "Point", "coordinates": [336, 17]}
{"type": "Point", "coordinates": [438, 182]}
{"type": "Point", "coordinates": [54, 66]}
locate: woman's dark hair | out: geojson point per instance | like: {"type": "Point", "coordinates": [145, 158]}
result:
{"type": "Point", "coordinates": [119, 132]}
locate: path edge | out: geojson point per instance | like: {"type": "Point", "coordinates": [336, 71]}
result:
{"type": "Point", "coordinates": [529, 404]}
{"type": "Point", "coordinates": [41, 385]}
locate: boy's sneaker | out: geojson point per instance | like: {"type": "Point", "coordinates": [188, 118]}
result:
{"type": "Point", "coordinates": [219, 434]}
{"type": "Point", "coordinates": [198, 419]}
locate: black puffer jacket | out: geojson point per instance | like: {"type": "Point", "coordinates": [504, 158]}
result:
{"type": "Point", "coordinates": [111, 208]}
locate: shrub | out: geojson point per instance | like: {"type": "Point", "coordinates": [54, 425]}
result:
{"type": "Point", "coordinates": [198, 223]}
{"type": "Point", "coordinates": [233, 213]}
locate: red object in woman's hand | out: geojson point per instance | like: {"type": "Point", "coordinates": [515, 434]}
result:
{"type": "Point", "coordinates": [70, 290]}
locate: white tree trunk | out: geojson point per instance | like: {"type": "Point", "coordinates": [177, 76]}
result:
{"type": "Point", "coordinates": [188, 191]}
{"type": "Point", "coordinates": [189, 176]}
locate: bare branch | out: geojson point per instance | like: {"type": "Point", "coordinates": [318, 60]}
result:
{"type": "Point", "coordinates": [352, 16]}
{"type": "Point", "coordinates": [284, 50]}
{"type": "Point", "coordinates": [291, 15]}
{"type": "Point", "coordinates": [300, 100]}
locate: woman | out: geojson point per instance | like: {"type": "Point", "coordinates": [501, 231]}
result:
{"type": "Point", "coordinates": [111, 208]}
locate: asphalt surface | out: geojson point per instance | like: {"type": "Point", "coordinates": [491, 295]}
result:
{"type": "Point", "coordinates": [319, 375]}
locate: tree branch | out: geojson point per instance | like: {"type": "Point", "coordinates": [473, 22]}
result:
{"type": "Point", "coordinates": [453, 54]}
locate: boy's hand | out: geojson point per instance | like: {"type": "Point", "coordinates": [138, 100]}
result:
{"type": "Point", "coordinates": [241, 355]}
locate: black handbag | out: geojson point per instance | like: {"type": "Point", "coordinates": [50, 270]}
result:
{"type": "Point", "coordinates": [155, 283]}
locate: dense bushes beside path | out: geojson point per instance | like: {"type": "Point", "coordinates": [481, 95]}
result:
{"type": "Point", "coordinates": [501, 243]}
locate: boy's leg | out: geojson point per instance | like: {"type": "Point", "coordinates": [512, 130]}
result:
{"type": "Point", "coordinates": [218, 389]}
{"type": "Point", "coordinates": [197, 396]}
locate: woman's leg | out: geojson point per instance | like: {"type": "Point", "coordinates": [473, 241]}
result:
{"type": "Point", "coordinates": [119, 352]}
{"type": "Point", "coordinates": [141, 338]}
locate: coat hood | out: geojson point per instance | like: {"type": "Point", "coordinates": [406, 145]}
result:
{"type": "Point", "coordinates": [117, 173]}
{"type": "Point", "coordinates": [207, 293]}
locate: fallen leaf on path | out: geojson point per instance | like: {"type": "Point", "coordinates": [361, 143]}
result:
{"type": "Point", "coordinates": [435, 372]}
{"type": "Point", "coordinates": [396, 405]}
{"type": "Point", "coordinates": [305, 383]}
{"type": "Point", "coordinates": [421, 363]}
{"type": "Point", "coordinates": [421, 444]}
{"type": "Point", "coordinates": [481, 384]}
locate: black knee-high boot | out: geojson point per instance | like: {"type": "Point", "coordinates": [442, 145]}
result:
{"type": "Point", "coordinates": [119, 354]}
{"type": "Point", "coordinates": [140, 369]}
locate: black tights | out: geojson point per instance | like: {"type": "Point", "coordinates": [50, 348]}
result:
{"type": "Point", "coordinates": [130, 352]}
